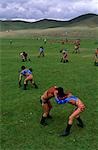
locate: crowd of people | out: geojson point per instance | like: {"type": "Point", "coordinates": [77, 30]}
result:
{"type": "Point", "coordinates": [58, 93]}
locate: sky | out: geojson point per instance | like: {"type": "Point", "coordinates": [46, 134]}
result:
{"type": "Point", "coordinates": [33, 10]}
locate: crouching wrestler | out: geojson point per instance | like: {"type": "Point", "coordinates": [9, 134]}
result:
{"type": "Point", "coordinates": [62, 98]}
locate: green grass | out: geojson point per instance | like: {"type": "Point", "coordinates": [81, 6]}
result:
{"type": "Point", "coordinates": [21, 110]}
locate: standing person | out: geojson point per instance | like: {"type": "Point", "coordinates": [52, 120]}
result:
{"type": "Point", "coordinates": [64, 57]}
{"type": "Point", "coordinates": [41, 51]}
{"type": "Point", "coordinates": [96, 57]}
{"type": "Point", "coordinates": [96, 52]}
{"type": "Point", "coordinates": [63, 98]}
{"type": "Point", "coordinates": [27, 74]}
{"type": "Point", "coordinates": [77, 46]}
{"type": "Point", "coordinates": [24, 56]}
{"type": "Point", "coordinates": [46, 105]}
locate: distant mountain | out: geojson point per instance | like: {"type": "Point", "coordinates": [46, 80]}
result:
{"type": "Point", "coordinates": [90, 20]}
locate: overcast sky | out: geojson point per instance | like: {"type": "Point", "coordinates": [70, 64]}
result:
{"type": "Point", "coordinates": [32, 10]}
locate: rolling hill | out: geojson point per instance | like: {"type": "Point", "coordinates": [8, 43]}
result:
{"type": "Point", "coordinates": [90, 20]}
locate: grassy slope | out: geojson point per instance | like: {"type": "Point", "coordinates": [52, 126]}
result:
{"type": "Point", "coordinates": [21, 110]}
{"type": "Point", "coordinates": [73, 32]}
{"type": "Point", "coordinates": [90, 20]}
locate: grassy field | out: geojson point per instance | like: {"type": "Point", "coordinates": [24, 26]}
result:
{"type": "Point", "coordinates": [21, 110]}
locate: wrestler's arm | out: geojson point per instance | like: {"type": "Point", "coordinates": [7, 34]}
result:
{"type": "Point", "coordinates": [60, 101]}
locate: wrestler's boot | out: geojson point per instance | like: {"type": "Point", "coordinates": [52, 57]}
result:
{"type": "Point", "coordinates": [67, 130]}
{"type": "Point", "coordinates": [43, 121]}
{"type": "Point", "coordinates": [80, 122]}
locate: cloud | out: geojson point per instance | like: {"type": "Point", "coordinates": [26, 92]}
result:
{"type": "Point", "coordinates": [38, 9]}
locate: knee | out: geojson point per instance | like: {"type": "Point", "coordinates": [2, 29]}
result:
{"type": "Point", "coordinates": [71, 118]}
{"type": "Point", "coordinates": [25, 81]}
{"type": "Point", "coordinates": [45, 114]}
